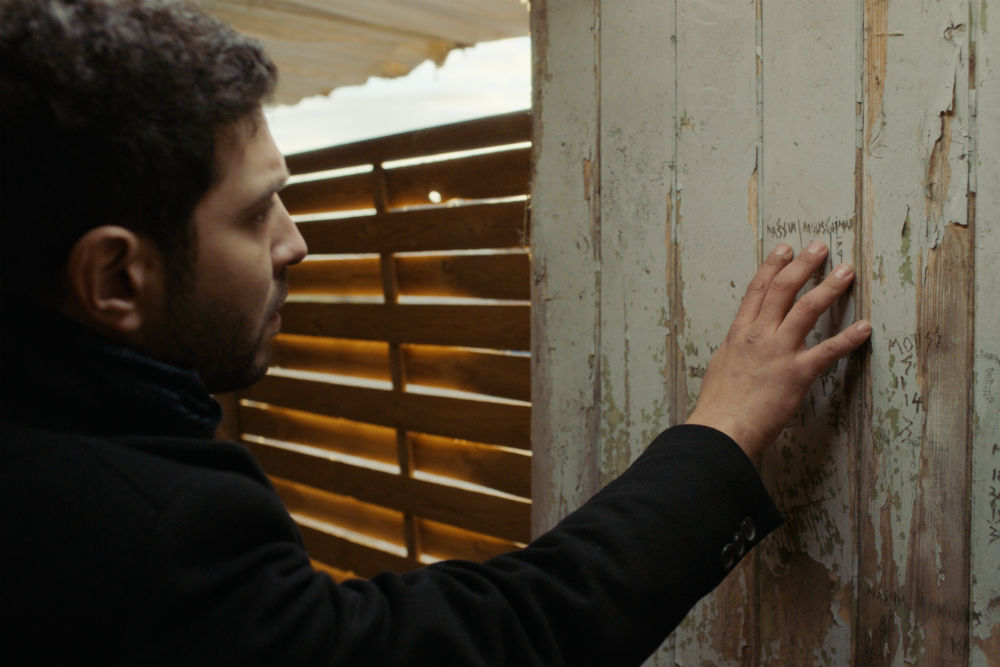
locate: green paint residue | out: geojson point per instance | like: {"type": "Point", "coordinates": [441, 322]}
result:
{"type": "Point", "coordinates": [686, 121]}
{"type": "Point", "coordinates": [614, 430]}
{"type": "Point", "coordinates": [982, 16]}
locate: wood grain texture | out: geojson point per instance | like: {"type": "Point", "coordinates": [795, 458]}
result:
{"type": "Point", "coordinates": [504, 517]}
{"type": "Point", "coordinates": [984, 540]}
{"type": "Point", "coordinates": [501, 468]}
{"type": "Point", "coordinates": [480, 372]}
{"type": "Point", "coordinates": [718, 141]}
{"type": "Point", "coordinates": [500, 276]}
{"type": "Point", "coordinates": [443, 542]}
{"type": "Point", "coordinates": [502, 174]}
{"type": "Point", "coordinates": [357, 358]}
{"type": "Point", "coordinates": [498, 327]}
{"type": "Point", "coordinates": [510, 128]}
{"type": "Point", "coordinates": [878, 135]}
{"type": "Point", "coordinates": [565, 256]}
{"type": "Point", "coordinates": [336, 276]}
{"type": "Point", "coordinates": [372, 383]}
{"type": "Point", "coordinates": [480, 421]}
{"type": "Point", "coordinates": [359, 559]}
{"type": "Point", "coordinates": [913, 489]}
{"type": "Point", "coordinates": [342, 193]}
{"type": "Point", "coordinates": [806, 578]}
{"type": "Point", "coordinates": [465, 227]}
{"type": "Point", "coordinates": [491, 175]}
{"type": "Point", "coordinates": [335, 435]}
{"type": "Point", "coordinates": [342, 512]}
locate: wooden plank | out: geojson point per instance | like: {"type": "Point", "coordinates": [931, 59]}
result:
{"type": "Point", "coordinates": [501, 276]}
{"type": "Point", "coordinates": [443, 542]}
{"type": "Point", "coordinates": [465, 227]}
{"type": "Point", "coordinates": [494, 515]}
{"type": "Point", "coordinates": [635, 300]}
{"type": "Point", "coordinates": [342, 512]}
{"type": "Point", "coordinates": [358, 358]}
{"type": "Point", "coordinates": [495, 423]}
{"type": "Point", "coordinates": [336, 435]}
{"type": "Point", "coordinates": [229, 427]}
{"type": "Point", "coordinates": [342, 193]}
{"type": "Point", "coordinates": [502, 174]}
{"type": "Point", "coordinates": [371, 406]}
{"type": "Point", "coordinates": [984, 646]}
{"type": "Point", "coordinates": [362, 560]}
{"type": "Point", "coordinates": [938, 562]}
{"type": "Point", "coordinates": [472, 462]}
{"type": "Point", "coordinates": [565, 252]}
{"type": "Point", "coordinates": [499, 327]}
{"type": "Point", "coordinates": [491, 373]}
{"type": "Point", "coordinates": [718, 142]}
{"type": "Point", "coordinates": [913, 574]}
{"type": "Point", "coordinates": [336, 276]}
{"type": "Point", "coordinates": [497, 130]}
{"type": "Point", "coordinates": [809, 72]}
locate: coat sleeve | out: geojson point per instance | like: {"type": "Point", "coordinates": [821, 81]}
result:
{"type": "Point", "coordinates": [605, 586]}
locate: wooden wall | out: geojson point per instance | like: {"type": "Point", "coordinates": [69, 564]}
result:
{"type": "Point", "coordinates": [395, 419]}
{"type": "Point", "coordinates": [676, 143]}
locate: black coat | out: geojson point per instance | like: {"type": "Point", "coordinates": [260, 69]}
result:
{"type": "Point", "coordinates": [131, 537]}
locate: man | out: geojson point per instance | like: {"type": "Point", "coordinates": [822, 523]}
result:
{"type": "Point", "coordinates": [144, 266]}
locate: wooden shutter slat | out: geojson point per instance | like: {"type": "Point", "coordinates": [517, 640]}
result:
{"type": "Point", "coordinates": [373, 406]}
{"type": "Point", "coordinates": [501, 174]}
{"type": "Point", "coordinates": [494, 423]}
{"type": "Point", "coordinates": [471, 462]}
{"type": "Point", "coordinates": [367, 359]}
{"type": "Point", "coordinates": [493, 131]}
{"type": "Point", "coordinates": [444, 542]}
{"type": "Point", "coordinates": [491, 373]}
{"type": "Point", "coordinates": [499, 327]}
{"type": "Point", "coordinates": [334, 434]}
{"type": "Point", "coordinates": [361, 559]}
{"type": "Point", "coordinates": [344, 512]}
{"type": "Point", "coordinates": [336, 276]}
{"type": "Point", "coordinates": [503, 517]}
{"type": "Point", "coordinates": [340, 193]}
{"type": "Point", "coordinates": [465, 227]}
{"type": "Point", "coordinates": [502, 276]}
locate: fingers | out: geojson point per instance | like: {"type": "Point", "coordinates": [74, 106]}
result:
{"type": "Point", "coordinates": [802, 317]}
{"type": "Point", "coordinates": [757, 290]}
{"type": "Point", "coordinates": [818, 358]}
{"type": "Point", "coordinates": [788, 282]}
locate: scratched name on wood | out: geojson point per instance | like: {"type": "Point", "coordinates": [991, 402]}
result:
{"type": "Point", "coordinates": [831, 228]}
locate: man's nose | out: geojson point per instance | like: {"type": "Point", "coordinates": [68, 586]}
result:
{"type": "Point", "coordinates": [289, 248]}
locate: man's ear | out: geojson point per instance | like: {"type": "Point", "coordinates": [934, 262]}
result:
{"type": "Point", "coordinates": [113, 280]}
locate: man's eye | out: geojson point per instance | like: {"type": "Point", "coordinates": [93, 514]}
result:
{"type": "Point", "coordinates": [264, 213]}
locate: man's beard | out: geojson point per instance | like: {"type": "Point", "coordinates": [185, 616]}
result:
{"type": "Point", "coordinates": [215, 339]}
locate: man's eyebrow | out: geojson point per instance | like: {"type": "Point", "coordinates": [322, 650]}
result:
{"type": "Point", "coordinates": [276, 186]}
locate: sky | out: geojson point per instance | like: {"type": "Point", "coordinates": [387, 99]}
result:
{"type": "Point", "coordinates": [482, 80]}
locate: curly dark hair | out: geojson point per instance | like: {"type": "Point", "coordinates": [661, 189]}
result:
{"type": "Point", "coordinates": [108, 115]}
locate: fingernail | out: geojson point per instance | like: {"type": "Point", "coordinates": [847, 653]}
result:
{"type": "Point", "coordinates": [816, 248]}
{"type": "Point", "coordinates": [843, 271]}
{"type": "Point", "coordinates": [863, 327]}
{"type": "Point", "coordinates": [783, 250]}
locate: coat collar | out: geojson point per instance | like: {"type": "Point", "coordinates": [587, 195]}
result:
{"type": "Point", "coordinates": [60, 375]}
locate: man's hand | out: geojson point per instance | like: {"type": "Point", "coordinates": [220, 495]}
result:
{"type": "Point", "coordinates": [760, 374]}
